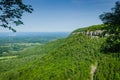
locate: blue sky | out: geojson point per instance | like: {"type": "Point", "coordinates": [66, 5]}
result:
{"type": "Point", "coordinates": [62, 15]}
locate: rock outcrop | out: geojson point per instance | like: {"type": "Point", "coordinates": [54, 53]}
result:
{"type": "Point", "coordinates": [93, 33]}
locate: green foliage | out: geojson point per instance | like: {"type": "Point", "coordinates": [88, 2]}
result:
{"type": "Point", "coordinates": [112, 44]}
{"type": "Point", "coordinates": [108, 68]}
{"type": "Point", "coordinates": [11, 13]}
{"type": "Point", "coordinates": [92, 28]}
{"type": "Point", "coordinates": [3, 49]}
{"type": "Point", "coordinates": [112, 19]}
{"type": "Point", "coordinates": [63, 59]}
{"type": "Point", "coordinates": [10, 45]}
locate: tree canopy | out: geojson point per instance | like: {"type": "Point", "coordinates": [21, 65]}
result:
{"type": "Point", "coordinates": [11, 12]}
{"type": "Point", "coordinates": [112, 19]}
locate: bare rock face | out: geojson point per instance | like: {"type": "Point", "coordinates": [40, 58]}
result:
{"type": "Point", "coordinates": [93, 33]}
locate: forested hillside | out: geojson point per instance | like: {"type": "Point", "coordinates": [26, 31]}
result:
{"type": "Point", "coordinates": [76, 57]}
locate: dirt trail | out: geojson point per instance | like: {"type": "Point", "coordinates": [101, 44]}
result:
{"type": "Point", "coordinates": [93, 70]}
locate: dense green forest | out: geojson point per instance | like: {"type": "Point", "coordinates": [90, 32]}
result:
{"type": "Point", "coordinates": [77, 57]}
{"type": "Point", "coordinates": [91, 53]}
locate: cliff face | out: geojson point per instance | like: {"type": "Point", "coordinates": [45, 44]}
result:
{"type": "Point", "coordinates": [95, 33]}
{"type": "Point", "coordinates": [92, 33]}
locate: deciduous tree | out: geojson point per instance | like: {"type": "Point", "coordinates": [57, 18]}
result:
{"type": "Point", "coordinates": [112, 19]}
{"type": "Point", "coordinates": [11, 12]}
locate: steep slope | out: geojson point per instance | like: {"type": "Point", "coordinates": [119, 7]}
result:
{"type": "Point", "coordinates": [71, 59]}
{"type": "Point", "coordinates": [94, 30]}
{"type": "Point", "coordinates": [65, 59]}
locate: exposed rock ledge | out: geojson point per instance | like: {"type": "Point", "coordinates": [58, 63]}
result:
{"type": "Point", "coordinates": [93, 33]}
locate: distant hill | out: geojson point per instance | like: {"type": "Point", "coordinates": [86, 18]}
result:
{"type": "Point", "coordinates": [76, 57]}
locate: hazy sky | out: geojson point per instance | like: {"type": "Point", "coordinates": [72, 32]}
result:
{"type": "Point", "coordinates": [63, 15]}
